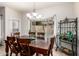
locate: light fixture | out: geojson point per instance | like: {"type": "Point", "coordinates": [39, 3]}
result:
{"type": "Point", "coordinates": [34, 15]}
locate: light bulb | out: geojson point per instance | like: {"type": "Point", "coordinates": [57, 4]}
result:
{"type": "Point", "coordinates": [29, 15]}
{"type": "Point", "coordinates": [34, 14]}
{"type": "Point", "coordinates": [39, 16]}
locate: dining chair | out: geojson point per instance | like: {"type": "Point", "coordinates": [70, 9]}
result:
{"type": "Point", "coordinates": [16, 34]}
{"type": "Point", "coordinates": [6, 47]}
{"type": "Point", "coordinates": [47, 52]}
{"type": "Point", "coordinates": [13, 46]}
{"type": "Point", "coordinates": [32, 34]}
{"type": "Point", "coordinates": [24, 47]}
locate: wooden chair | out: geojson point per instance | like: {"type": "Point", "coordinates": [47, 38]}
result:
{"type": "Point", "coordinates": [16, 34]}
{"type": "Point", "coordinates": [47, 52]}
{"type": "Point", "coordinates": [13, 46]}
{"type": "Point", "coordinates": [24, 47]}
{"type": "Point", "coordinates": [32, 51]}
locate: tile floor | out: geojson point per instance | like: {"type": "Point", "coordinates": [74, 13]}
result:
{"type": "Point", "coordinates": [55, 53]}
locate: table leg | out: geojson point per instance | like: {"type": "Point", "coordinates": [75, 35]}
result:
{"type": "Point", "coordinates": [37, 54]}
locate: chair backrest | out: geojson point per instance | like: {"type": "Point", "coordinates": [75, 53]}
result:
{"type": "Point", "coordinates": [11, 40]}
{"type": "Point", "coordinates": [51, 44]}
{"type": "Point", "coordinates": [24, 46]}
{"type": "Point", "coordinates": [24, 41]}
{"type": "Point", "coordinates": [16, 34]}
{"type": "Point", "coordinates": [11, 43]}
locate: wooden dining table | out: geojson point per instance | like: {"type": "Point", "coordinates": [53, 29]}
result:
{"type": "Point", "coordinates": [40, 46]}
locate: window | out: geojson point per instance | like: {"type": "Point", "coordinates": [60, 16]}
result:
{"type": "Point", "coordinates": [15, 26]}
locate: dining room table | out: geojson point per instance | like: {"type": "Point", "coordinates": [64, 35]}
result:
{"type": "Point", "coordinates": [40, 46]}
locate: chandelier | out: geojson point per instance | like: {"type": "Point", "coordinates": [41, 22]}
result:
{"type": "Point", "coordinates": [34, 14]}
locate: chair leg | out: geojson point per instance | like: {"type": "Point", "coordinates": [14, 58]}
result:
{"type": "Point", "coordinates": [16, 54]}
{"type": "Point", "coordinates": [51, 53]}
{"type": "Point", "coordinates": [20, 54]}
{"type": "Point", "coordinates": [10, 53]}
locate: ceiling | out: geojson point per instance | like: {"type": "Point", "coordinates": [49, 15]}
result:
{"type": "Point", "coordinates": [29, 6]}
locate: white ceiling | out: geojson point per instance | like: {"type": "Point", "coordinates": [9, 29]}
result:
{"type": "Point", "coordinates": [28, 6]}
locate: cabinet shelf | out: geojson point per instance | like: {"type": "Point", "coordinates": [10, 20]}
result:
{"type": "Point", "coordinates": [63, 22]}
{"type": "Point", "coordinates": [68, 42]}
{"type": "Point", "coordinates": [66, 50]}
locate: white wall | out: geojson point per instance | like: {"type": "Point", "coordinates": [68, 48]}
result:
{"type": "Point", "coordinates": [11, 14]}
{"type": "Point", "coordinates": [76, 9]}
{"type": "Point", "coordinates": [61, 10]}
